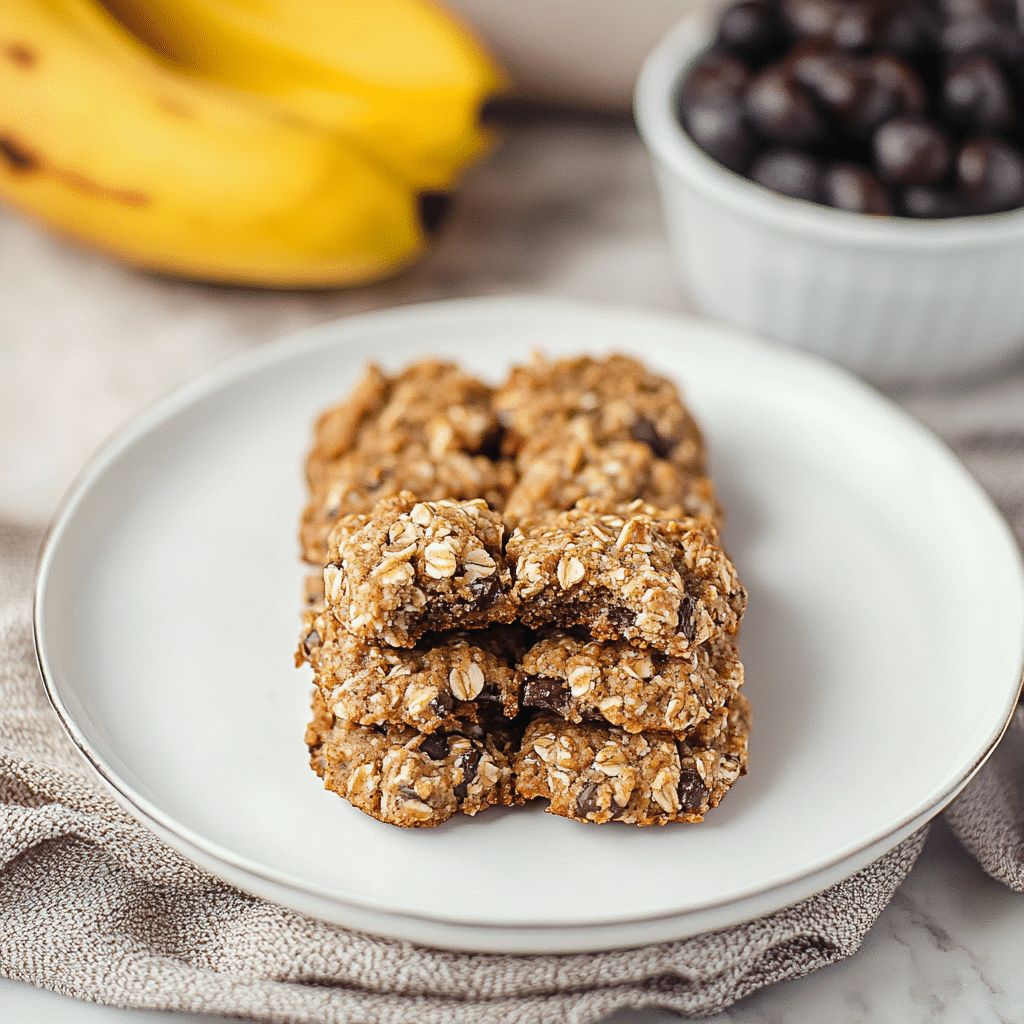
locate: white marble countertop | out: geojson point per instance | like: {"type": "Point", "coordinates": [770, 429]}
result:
{"type": "Point", "coordinates": [565, 208]}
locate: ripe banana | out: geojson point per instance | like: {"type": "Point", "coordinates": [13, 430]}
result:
{"type": "Point", "coordinates": [401, 76]}
{"type": "Point", "coordinates": [180, 176]}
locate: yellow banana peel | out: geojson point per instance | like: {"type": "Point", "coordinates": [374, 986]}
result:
{"type": "Point", "coordinates": [402, 77]}
{"type": "Point", "coordinates": [182, 176]}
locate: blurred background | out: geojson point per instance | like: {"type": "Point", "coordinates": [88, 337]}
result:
{"type": "Point", "coordinates": [561, 202]}
{"type": "Point", "coordinates": [170, 200]}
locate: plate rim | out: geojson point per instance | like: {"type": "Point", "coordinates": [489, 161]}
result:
{"type": "Point", "coordinates": [458, 933]}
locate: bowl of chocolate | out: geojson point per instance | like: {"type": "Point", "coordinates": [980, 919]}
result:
{"type": "Point", "coordinates": [847, 176]}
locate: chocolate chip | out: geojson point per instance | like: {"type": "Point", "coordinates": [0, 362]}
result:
{"type": "Point", "coordinates": [310, 642]}
{"type": "Point", "coordinates": [586, 800]}
{"type": "Point", "coordinates": [468, 762]}
{"type": "Point", "coordinates": [542, 692]}
{"type": "Point", "coordinates": [491, 443]}
{"type": "Point", "coordinates": [489, 694]}
{"type": "Point", "coordinates": [644, 431]}
{"type": "Point", "coordinates": [687, 619]}
{"type": "Point", "coordinates": [442, 704]}
{"type": "Point", "coordinates": [486, 590]}
{"type": "Point", "coordinates": [408, 793]}
{"type": "Point", "coordinates": [692, 791]}
{"type": "Point", "coordinates": [620, 618]}
{"type": "Point", "coordinates": [435, 746]}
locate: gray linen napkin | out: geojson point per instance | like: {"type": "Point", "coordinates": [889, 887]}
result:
{"type": "Point", "coordinates": [95, 906]}
{"type": "Point", "coordinates": [985, 426]}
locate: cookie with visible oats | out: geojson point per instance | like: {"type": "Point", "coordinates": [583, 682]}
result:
{"type": "Point", "coordinates": [615, 398]}
{"type": "Point", "coordinates": [404, 777]}
{"type": "Point", "coordinates": [411, 567]}
{"type": "Point", "coordinates": [445, 678]}
{"type": "Point", "coordinates": [598, 773]}
{"type": "Point", "coordinates": [639, 690]}
{"type": "Point", "coordinates": [430, 428]}
{"type": "Point", "coordinates": [359, 480]}
{"type": "Point", "coordinates": [629, 573]}
{"type": "Point", "coordinates": [569, 469]}
{"type": "Point", "coordinates": [431, 401]}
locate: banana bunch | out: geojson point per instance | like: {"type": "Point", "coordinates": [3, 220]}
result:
{"type": "Point", "coordinates": [260, 142]}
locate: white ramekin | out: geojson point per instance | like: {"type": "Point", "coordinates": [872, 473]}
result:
{"type": "Point", "coordinates": [893, 299]}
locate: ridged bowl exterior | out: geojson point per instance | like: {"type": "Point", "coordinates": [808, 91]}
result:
{"type": "Point", "coordinates": [894, 300]}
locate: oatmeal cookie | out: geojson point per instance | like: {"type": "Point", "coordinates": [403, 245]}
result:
{"type": "Point", "coordinates": [568, 469]}
{"type": "Point", "coordinates": [404, 777]}
{"type": "Point", "coordinates": [597, 773]}
{"type": "Point", "coordinates": [445, 678]}
{"type": "Point", "coordinates": [431, 401]}
{"type": "Point", "coordinates": [615, 398]}
{"type": "Point", "coordinates": [410, 567]}
{"type": "Point", "coordinates": [638, 690]}
{"type": "Point", "coordinates": [430, 428]}
{"type": "Point", "coordinates": [626, 573]}
{"type": "Point", "coordinates": [359, 480]}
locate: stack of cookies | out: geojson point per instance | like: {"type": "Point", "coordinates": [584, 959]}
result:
{"type": "Point", "coordinates": [521, 593]}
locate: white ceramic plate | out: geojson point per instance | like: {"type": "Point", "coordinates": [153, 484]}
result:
{"type": "Point", "coordinates": [883, 641]}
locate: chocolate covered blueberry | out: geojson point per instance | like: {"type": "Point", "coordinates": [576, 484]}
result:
{"type": "Point", "coordinates": [754, 31]}
{"type": "Point", "coordinates": [975, 94]}
{"type": "Point", "coordinates": [790, 173]}
{"type": "Point", "coordinates": [924, 203]}
{"type": "Point", "coordinates": [847, 24]}
{"type": "Point", "coordinates": [911, 108]}
{"type": "Point", "coordinates": [911, 31]}
{"type": "Point", "coordinates": [991, 175]}
{"type": "Point", "coordinates": [854, 188]}
{"type": "Point", "coordinates": [715, 79]}
{"type": "Point", "coordinates": [722, 132]}
{"type": "Point", "coordinates": [910, 151]}
{"type": "Point", "coordinates": [710, 107]}
{"type": "Point", "coordinates": [997, 37]}
{"type": "Point", "coordinates": [782, 110]}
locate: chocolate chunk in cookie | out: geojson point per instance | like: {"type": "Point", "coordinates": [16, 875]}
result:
{"type": "Point", "coordinates": [598, 773]}
{"type": "Point", "coordinates": [626, 573]}
{"type": "Point", "coordinates": [638, 690]}
{"type": "Point", "coordinates": [446, 677]}
{"type": "Point", "coordinates": [403, 777]}
{"type": "Point", "coordinates": [615, 398]}
{"type": "Point", "coordinates": [410, 567]}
